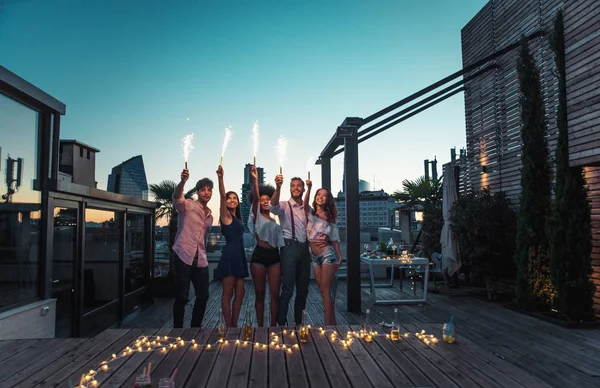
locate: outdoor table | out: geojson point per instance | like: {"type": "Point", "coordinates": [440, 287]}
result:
{"type": "Point", "coordinates": [407, 263]}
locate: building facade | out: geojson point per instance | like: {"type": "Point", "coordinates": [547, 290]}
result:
{"type": "Point", "coordinates": [492, 107]}
{"type": "Point", "coordinates": [74, 260]}
{"type": "Point", "coordinates": [129, 178]}
{"type": "Point", "coordinates": [78, 162]}
{"type": "Point", "coordinates": [374, 206]}
{"type": "Point", "coordinates": [246, 188]}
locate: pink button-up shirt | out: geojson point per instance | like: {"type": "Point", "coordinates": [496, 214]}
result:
{"type": "Point", "coordinates": [193, 225]}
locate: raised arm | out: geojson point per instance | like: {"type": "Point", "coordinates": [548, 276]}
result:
{"type": "Point", "coordinates": [223, 211]}
{"type": "Point", "coordinates": [178, 197]}
{"type": "Point", "coordinates": [255, 192]}
{"type": "Point", "coordinates": [306, 202]}
{"type": "Point", "coordinates": [278, 183]}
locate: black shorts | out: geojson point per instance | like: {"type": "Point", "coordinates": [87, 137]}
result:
{"type": "Point", "coordinates": [265, 257]}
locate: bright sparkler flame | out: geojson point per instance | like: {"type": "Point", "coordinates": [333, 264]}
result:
{"type": "Point", "coordinates": [228, 134]}
{"type": "Point", "coordinates": [186, 144]}
{"type": "Point", "coordinates": [281, 148]}
{"type": "Point", "coordinates": [255, 137]}
{"type": "Point", "coordinates": [309, 165]}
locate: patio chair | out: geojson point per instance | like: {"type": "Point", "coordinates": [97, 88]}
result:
{"type": "Point", "coordinates": [435, 267]}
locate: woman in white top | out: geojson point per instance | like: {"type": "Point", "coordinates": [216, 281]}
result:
{"type": "Point", "coordinates": [326, 259]}
{"type": "Point", "coordinates": [265, 258]}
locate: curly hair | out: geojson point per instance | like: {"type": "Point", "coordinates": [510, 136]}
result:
{"type": "Point", "coordinates": [329, 207]}
{"type": "Point", "coordinates": [267, 190]}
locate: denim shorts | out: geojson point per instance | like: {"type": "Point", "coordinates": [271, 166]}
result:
{"type": "Point", "coordinates": [327, 257]}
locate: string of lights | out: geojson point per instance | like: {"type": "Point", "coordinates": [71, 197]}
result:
{"type": "Point", "coordinates": [148, 344]}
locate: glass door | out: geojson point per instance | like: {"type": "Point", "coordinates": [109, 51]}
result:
{"type": "Point", "coordinates": [64, 258]}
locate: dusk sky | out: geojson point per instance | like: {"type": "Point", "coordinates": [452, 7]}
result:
{"type": "Point", "coordinates": [132, 72]}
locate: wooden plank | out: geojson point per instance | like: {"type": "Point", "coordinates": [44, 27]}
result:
{"type": "Point", "coordinates": [20, 360]}
{"type": "Point", "coordinates": [315, 370]}
{"type": "Point", "coordinates": [379, 358]}
{"type": "Point", "coordinates": [277, 372]}
{"type": "Point", "coordinates": [496, 368]}
{"type": "Point", "coordinates": [259, 368]}
{"type": "Point", "coordinates": [17, 347]}
{"type": "Point", "coordinates": [297, 372]}
{"type": "Point", "coordinates": [168, 364]}
{"type": "Point", "coordinates": [191, 356]}
{"type": "Point", "coordinates": [222, 367]}
{"type": "Point", "coordinates": [240, 369]}
{"type": "Point", "coordinates": [133, 366]}
{"type": "Point", "coordinates": [26, 369]}
{"type": "Point", "coordinates": [81, 352]}
{"type": "Point", "coordinates": [408, 365]}
{"type": "Point", "coordinates": [73, 371]}
{"type": "Point", "coordinates": [336, 373]}
{"type": "Point", "coordinates": [203, 367]}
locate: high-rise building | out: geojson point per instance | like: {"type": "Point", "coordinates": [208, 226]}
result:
{"type": "Point", "coordinates": [374, 209]}
{"type": "Point", "coordinates": [129, 178]}
{"type": "Point", "coordinates": [246, 188]}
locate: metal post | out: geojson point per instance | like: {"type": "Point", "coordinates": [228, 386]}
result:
{"type": "Point", "coordinates": [352, 223]}
{"type": "Point", "coordinates": [326, 172]}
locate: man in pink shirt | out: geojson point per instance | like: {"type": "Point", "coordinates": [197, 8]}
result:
{"type": "Point", "coordinates": [193, 223]}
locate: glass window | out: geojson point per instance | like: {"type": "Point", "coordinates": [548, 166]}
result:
{"type": "Point", "coordinates": [137, 260]}
{"type": "Point", "coordinates": [101, 268]}
{"type": "Point", "coordinates": [19, 203]}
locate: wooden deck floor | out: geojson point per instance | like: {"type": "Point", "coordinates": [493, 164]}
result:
{"type": "Point", "coordinates": [495, 347]}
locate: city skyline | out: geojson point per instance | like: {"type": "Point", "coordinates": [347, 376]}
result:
{"type": "Point", "coordinates": [136, 79]}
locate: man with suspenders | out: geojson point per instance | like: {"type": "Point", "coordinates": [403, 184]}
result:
{"type": "Point", "coordinates": [295, 257]}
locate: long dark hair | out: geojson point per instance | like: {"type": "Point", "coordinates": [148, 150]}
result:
{"type": "Point", "coordinates": [330, 208]}
{"type": "Point", "coordinates": [238, 211]}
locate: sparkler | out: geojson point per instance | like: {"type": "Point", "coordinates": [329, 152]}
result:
{"type": "Point", "coordinates": [281, 148]}
{"type": "Point", "coordinates": [309, 164]}
{"type": "Point", "coordinates": [225, 143]}
{"type": "Point", "coordinates": [255, 139]}
{"type": "Point", "coordinates": [186, 144]}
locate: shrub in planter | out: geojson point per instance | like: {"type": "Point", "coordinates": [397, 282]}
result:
{"type": "Point", "coordinates": [484, 225]}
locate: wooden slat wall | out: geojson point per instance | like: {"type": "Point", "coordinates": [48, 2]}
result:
{"type": "Point", "coordinates": [582, 45]}
{"type": "Point", "coordinates": [492, 111]}
{"type": "Point", "coordinates": [493, 122]}
{"type": "Point", "coordinates": [592, 177]}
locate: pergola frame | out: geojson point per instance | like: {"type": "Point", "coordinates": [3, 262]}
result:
{"type": "Point", "coordinates": [348, 135]}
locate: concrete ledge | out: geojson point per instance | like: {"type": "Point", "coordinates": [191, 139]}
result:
{"type": "Point", "coordinates": [35, 320]}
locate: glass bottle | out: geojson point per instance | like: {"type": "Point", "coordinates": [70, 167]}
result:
{"type": "Point", "coordinates": [221, 328]}
{"type": "Point", "coordinates": [248, 326]}
{"type": "Point", "coordinates": [395, 333]}
{"type": "Point", "coordinates": [303, 329]}
{"type": "Point", "coordinates": [368, 328]}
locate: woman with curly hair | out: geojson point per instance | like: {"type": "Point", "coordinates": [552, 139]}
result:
{"type": "Point", "coordinates": [326, 260]}
{"type": "Point", "coordinates": [265, 258]}
{"type": "Point", "coordinates": [232, 267]}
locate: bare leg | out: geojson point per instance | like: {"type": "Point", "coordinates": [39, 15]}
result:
{"type": "Point", "coordinates": [240, 290]}
{"type": "Point", "coordinates": [259, 275]}
{"type": "Point", "coordinates": [228, 285]}
{"type": "Point", "coordinates": [274, 282]}
{"type": "Point", "coordinates": [327, 276]}
{"type": "Point", "coordinates": [318, 271]}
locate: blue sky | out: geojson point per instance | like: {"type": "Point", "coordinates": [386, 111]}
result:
{"type": "Point", "coordinates": [132, 72]}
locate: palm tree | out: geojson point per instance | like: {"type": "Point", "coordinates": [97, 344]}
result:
{"type": "Point", "coordinates": [419, 191]}
{"type": "Point", "coordinates": [163, 195]}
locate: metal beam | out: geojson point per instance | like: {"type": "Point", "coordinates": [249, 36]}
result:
{"type": "Point", "coordinates": [325, 172]}
{"type": "Point", "coordinates": [413, 113]}
{"type": "Point", "coordinates": [24, 92]}
{"type": "Point", "coordinates": [449, 78]}
{"type": "Point", "coordinates": [352, 224]}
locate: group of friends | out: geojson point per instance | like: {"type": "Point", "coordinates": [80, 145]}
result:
{"type": "Point", "coordinates": [305, 235]}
